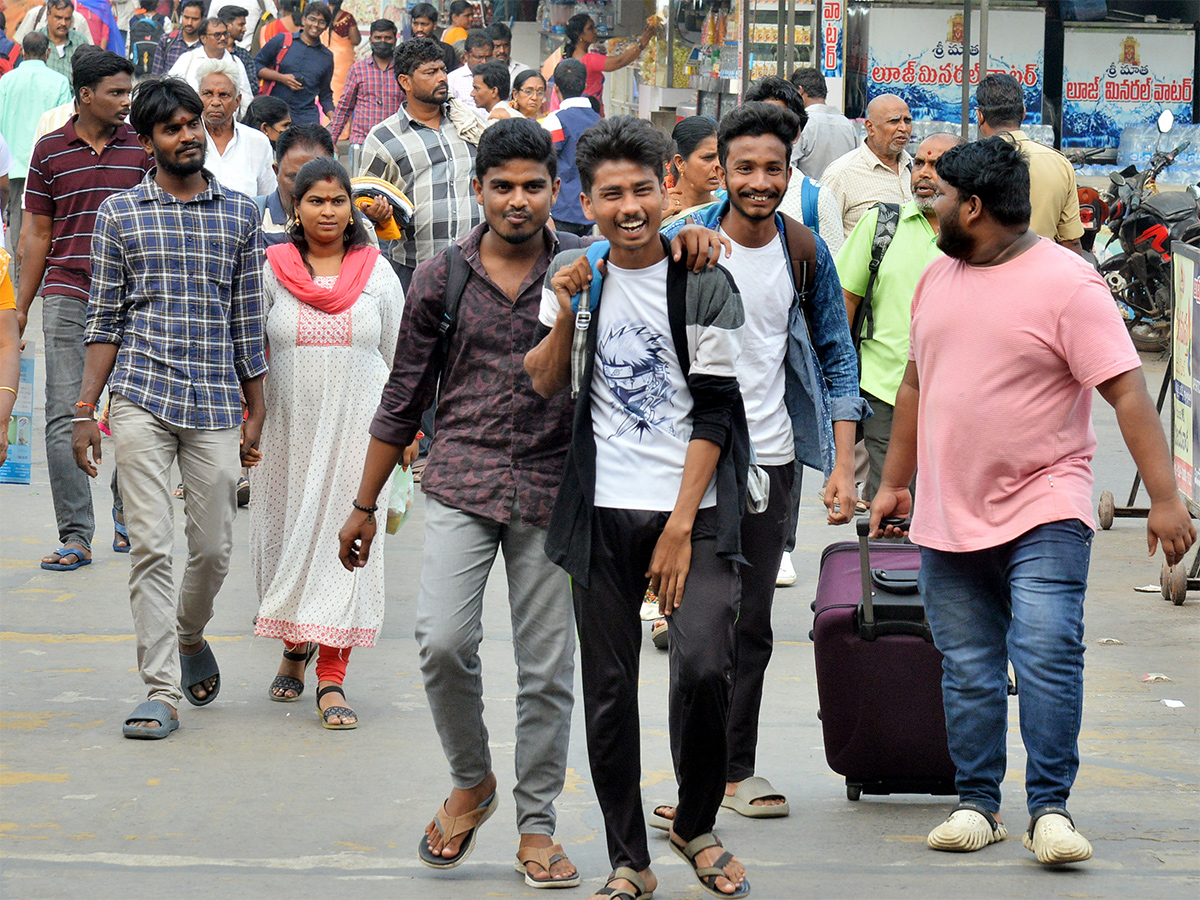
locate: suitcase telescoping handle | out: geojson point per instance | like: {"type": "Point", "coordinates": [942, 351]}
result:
{"type": "Point", "coordinates": [864, 555]}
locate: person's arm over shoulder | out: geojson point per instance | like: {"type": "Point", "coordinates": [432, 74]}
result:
{"type": "Point", "coordinates": [412, 384]}
{"type": "Point", "coordinates": [247, 316]}
{"type": "Point", "coordinates": [832, 341]}
{"type": "Point", "coordinates": [105, 319]}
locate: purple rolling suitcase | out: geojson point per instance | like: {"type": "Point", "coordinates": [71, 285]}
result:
{"type": "Point", "coordinates": [879, 677]}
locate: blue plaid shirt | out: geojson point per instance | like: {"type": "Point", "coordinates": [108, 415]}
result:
{"type": "Point", "coordinates": [178, 285]}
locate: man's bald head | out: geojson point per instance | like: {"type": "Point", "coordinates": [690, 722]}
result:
{"type": "Point", "coordinates": [889, 126]}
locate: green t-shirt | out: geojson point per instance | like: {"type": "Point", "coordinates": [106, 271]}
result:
{"type": "Point", "coordinates": [885, 355]}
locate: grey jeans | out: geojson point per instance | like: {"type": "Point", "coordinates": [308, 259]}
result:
{"type": "Point", "coordinates": [459, 551]}
{"type": "Point", "coordinates": [209, 464]}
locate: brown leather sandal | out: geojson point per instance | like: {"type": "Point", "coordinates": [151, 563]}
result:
{"type": "Point", "coordinates": [451, 827]}
{"type": "Point", "coordinates": [544, 857]}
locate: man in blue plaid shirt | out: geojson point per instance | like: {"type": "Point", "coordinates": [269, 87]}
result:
{"type": "Point", "coordinates": [175, 329]}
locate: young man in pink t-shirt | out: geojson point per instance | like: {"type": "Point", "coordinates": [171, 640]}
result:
{"type": "Point", "coordinates": [1010, 334]}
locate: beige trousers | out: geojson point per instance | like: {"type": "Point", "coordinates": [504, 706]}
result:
{"type": "Point", "coordinates": [209, 464]}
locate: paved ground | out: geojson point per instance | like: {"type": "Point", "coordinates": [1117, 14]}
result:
{"type": "Point", "coordinates": [253, 799]}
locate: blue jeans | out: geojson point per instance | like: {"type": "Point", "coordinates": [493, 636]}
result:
{"type": "Point", "coordinates": [1021, 601]}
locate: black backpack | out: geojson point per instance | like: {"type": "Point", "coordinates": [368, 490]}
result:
{"type": "Point", "coordinates": [145, 31]}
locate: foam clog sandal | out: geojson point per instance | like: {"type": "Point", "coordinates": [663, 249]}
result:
{"type": "Point", "coordinates": [544, 857]}
{"type": "Point", "coordinates": [968, 828]}
{"type": "Point", "coordinates": [198, 668]}
{"type": "Point", "coordinates": [756, 788]}
{"type": "Point", "coordinates": [1053, 839]}
{"type": "Point", "coordinates": [150, 711]}
{"type": "Point", "coordinates": [453, 826]}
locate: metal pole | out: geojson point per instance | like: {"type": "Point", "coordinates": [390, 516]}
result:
{"type": "Point", "coordinates": [790, 54]}
{"type": "Point", "coordinates": [744, 81]}
{"type": "Point", "coordinates": [983, 38]}
{"type": "Point", "coordinates": [966, 69]}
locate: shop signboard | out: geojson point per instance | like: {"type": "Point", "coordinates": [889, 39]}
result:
{"type": "Point", "coordinates": [916, 52]}
{"type": "Point", "coordinates": [1117, 77]}
{"type": "Point", "coordinates": [1185, 426]}
{"type": "Point", "coordinates": [832, 32]}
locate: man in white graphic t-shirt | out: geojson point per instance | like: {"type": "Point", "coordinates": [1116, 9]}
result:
{"type": "Point", "coordinates": [754, 145]}
{"type": "Point", "coordinates": [652, 490]}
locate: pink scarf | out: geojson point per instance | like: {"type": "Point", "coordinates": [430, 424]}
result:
{"type": "Point", "coordinates": [357, 266]}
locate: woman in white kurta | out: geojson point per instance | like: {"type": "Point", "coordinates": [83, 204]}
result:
{"type": "Point", "coordinates": [334, 307]}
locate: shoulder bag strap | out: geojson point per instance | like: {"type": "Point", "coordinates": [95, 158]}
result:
{"type": "Point", "coordinates": [863, 326]}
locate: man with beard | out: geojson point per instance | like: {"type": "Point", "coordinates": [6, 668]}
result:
{"type": "Point", "coordinates": [176, 43]}
{"type": "Point", "coordinates": [884, 348]}
{"type": "Point", "coordinates": [72, 171]}
{"type": "Point", "coordinates": [420, 151]}
{"type": "Point", "coordinates": [371, 93]}
{"type": "Point", "coordinates": [754, 144]}
{"type": "Point", "coordinates": [175, 329]}
{"type": "Point", "coordinates": [1010, 335]}
{"type": "Point", "coordinates": [423, 21]}
{"type": "Point", "coordinates": [240, 156]}
{"type": "Point", "coordinates": [489, 485]}
{"type": "Point", "coordinates": [879, 169]}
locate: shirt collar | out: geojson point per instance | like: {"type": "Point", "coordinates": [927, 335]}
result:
{"type": "Point", "coordinates": [407, 122]}
{"type": "Point", "coordinates": [470, 244]}
{"type": "Point", "coordinates": [149, 191]}
{"type": "Point", "coordinates": [869, 155]}
{"type": "Point", "coordinates": [72, 135]}
{"type": "Point", "coordinates": [575, 103]}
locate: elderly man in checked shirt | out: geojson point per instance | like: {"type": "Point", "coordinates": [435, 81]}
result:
{"type": "Point", "coordinates": [175, 326]}
{"type": "Point", "coordinates": [421, 152]}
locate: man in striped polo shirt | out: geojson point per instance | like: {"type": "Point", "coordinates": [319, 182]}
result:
{"type": "Point", "coordinates": [72, 170]}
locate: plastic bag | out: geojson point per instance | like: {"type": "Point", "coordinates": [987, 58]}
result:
{"type": "Point", "coordinates": [400, 500]}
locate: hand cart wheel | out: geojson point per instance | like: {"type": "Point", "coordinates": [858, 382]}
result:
{"type": "Point", "coordinates": [1104, 512]}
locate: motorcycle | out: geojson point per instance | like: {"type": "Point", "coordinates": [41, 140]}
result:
{"type": "Point", "coordinates": [1093, 208]}
{"type": "Point", "coordinates": [1145, 222]}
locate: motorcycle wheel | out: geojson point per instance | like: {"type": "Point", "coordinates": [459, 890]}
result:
{"type": "Point", "coordinates": [1151, 337]}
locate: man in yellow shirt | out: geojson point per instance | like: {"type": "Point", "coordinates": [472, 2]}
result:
{"type": "Point", "coordinates": [1000, 107]}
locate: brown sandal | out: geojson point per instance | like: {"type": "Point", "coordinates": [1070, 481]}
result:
{"type": "Point", "coordinates": [451, 827]}
{"type": "Point", "coordinates": [544, 857]}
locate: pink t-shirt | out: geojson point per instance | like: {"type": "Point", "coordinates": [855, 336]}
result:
{"type": "Point", "coordinates": [594, 62]}
{"type": "Point", "coordinates": [1007, 357]}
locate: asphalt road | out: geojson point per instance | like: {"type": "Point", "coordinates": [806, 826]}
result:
{"type": "Point", "coordinates": [254, 799]}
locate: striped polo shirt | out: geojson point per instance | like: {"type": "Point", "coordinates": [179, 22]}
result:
{"type": "Point", "coordinates": [67, 182]}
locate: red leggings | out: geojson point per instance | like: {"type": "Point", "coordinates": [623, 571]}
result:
{"type": "Point", "coordinates": [331, 661]}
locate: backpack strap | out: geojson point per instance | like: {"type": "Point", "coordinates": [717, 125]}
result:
{"type": "Point", "coordinates": [456, 283]}
{"type": "Point", "coordinates": [810, 192]}
{"type": "Point", "coordinates": [802, 253]}
{"type": "Point", "coordinates": [863, 325]}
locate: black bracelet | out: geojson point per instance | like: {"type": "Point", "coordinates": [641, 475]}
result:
{"type": "Point", "coordinates": [369, 510]}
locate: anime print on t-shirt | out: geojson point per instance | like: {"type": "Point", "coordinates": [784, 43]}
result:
{"type": "Point", "coordinates": [632, 359]}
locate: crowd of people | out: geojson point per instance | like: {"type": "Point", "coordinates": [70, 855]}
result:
{"type": "Point", "coordinates": [775, 294]}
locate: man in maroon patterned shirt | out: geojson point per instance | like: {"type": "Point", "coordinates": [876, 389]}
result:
{"type": "Point", "coordinates": [493, 474]}
{"type": "Point", "coordinates": [72, 171]}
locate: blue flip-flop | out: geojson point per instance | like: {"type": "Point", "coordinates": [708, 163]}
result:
{"type": "Point", "coordinates": [197, 668]}
{"type": "Point", "coordinates": [122, 532]}
{"type": "Point", "coordinates": [150, 711]}
{"type": "Point", "coordinates": [63, 553]}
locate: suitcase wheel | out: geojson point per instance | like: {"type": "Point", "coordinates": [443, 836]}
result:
{"type": "Point", "coordinates": [853, 791]}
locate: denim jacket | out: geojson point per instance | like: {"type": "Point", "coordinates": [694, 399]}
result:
{"type": "Point", "coordinates": [821, 372]}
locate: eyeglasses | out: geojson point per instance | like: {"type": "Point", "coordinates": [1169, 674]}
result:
{"type": "Point", "coordinates": [315, 20]}
{"type": "Point", "coordinates": [219, 35]}
{"type": "Point", "coordinates": [532, 92]}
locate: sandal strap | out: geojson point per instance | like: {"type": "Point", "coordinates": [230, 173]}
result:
{"type": "Point", "coordinates": [286, 683]}
{"type": "Point", "coordinates": [150, 711]}
{"type": "Point", "coordinates": [628, 874]}
{"type": "Point", "coordinates": [330, 688]}
{"type": "Point", "coordinates": [975, 807]}
{"type": "Point", "coordinates": [297, 655]}
{"type": "Point", "coordinates": [342, 711]}
{"type": "Point", "coordinates": [699, 844]}
{"type": "Point", "coordinates": [543, 856]}
{"type": "Point", "coordinates": [452, 826]}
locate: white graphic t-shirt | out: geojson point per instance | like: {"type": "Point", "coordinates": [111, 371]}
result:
{"type": "Point", "coordinates": [766, 288]}
{"type": "Point", "coordinates": [641, 405]}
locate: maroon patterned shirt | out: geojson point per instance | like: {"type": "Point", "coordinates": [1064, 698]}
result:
{"type": "Point", "coordinates": [67, 182]}
{"type": "Point", "coordinates": [496, 440]}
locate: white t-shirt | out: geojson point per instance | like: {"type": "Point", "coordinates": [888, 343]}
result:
{"type": "Point", "coordinates": [246, 163]}
{"type": "Point", "coordinates": [766, 288]}
{"type": "Point", "coordinates": [641, 406]}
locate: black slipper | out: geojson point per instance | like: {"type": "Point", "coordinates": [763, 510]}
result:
{"type": "Point", "coordinates": [196, 669]}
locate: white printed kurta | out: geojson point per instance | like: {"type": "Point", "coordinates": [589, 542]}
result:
{"type": "Point", "coordinates": [326, 376]}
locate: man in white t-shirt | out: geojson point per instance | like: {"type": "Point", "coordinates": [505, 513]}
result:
{"type": "Point", "coordinates": [754, 145]}
{"type": "Point", "coordinates": [653, 488]}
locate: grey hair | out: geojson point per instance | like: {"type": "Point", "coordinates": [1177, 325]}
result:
{"type": "Point", "coordinates": [225, 65]}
